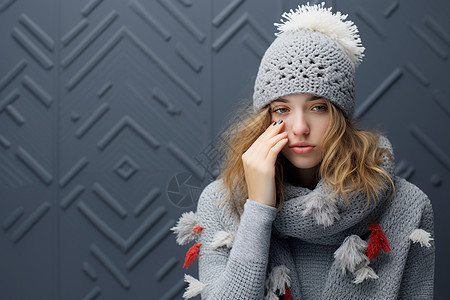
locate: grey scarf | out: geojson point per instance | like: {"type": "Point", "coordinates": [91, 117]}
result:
{"type": "Point", "coordinates": [312, 217]}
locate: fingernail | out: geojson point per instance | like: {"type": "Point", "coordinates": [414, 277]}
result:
{"type": "Point", "coordinates": [281, 121]}
{"type": "Point", "coordinates": [274, 123]}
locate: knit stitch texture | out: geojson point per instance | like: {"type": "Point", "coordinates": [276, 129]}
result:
{"type": "Point", "coordinates": [305, 62]}
{"type": "Point", "coordinates": [265, 239]}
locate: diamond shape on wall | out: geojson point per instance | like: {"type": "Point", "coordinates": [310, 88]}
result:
{"type": "Point", "coordinates": [126, 167]}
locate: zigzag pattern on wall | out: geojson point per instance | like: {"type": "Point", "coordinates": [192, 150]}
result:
{"type": "Point", "coordinates": [96, 115]}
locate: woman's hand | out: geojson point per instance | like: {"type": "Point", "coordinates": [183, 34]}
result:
{"type": "Point", "coordinates": [259, 164]}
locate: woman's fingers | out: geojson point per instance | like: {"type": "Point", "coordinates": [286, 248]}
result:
{"type": "Point", "coordinates": [276, 149]}
{"type": "Point", "coordinates": [269, 130]}
{"type": "Point", "coordinates": [263, 143]}
{"type": "Point", "coordinates": [261, 156]}
{"type": "Point", "coordinates": [272, 137]}
{"type": "Point", "coordinates": [259, 164]}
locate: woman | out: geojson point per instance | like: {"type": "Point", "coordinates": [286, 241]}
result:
{"type": "Point", "coordinates": [307, 206]}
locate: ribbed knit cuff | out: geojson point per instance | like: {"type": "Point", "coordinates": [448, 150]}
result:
{"type": "Point", "coordinates": [252, 239]}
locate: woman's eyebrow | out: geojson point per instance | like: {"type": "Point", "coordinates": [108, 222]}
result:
{"type": "Point", "coordinates": [280, 100]}
{"type": "Point", "coordinates": [313, 97]}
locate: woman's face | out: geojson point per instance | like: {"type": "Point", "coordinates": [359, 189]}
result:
{"type": "Point", "coordinates": [306, 119]}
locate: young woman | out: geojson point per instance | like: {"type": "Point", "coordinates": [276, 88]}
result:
{"type": "Point", "coordinates": [307, 206]}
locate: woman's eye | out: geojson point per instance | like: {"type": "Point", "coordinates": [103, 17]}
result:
{"type": "Point", "coordinates": [280, 110]}
{"type": "Point", "coordinates": [320, 108]}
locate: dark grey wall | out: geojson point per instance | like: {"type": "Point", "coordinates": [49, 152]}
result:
{"type": "Point", "coordinates": [108, 110]}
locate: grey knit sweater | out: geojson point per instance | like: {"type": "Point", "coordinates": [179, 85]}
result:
{"type": "Point", "coordinates": [256, 252]}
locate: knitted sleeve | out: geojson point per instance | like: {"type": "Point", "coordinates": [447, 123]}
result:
{"type": "Point", "coordinates": [239, 272]}
{"type": "Point", "coordinates": [418, 276]}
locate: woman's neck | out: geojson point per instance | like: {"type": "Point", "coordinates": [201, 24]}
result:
{"type": "Point", "coordinates": [307, 178]}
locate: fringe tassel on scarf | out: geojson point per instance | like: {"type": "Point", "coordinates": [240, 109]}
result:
{"type": "Point", "coordinates": [322, 209]}
{"type": "Point", "coordinates": [355, 254]}
{"type": "Point", "coordinates": [421, 236]}
{"type": "Point", "coordinates": [197, 229]}
{"type": "Point", "coordinates": [278, 283]}
{"type": "Point", "coordinates": [377, 241]}
{"type": "Point", "coordinates": [191, 255]}
{"type": "Point", "coordinates": [222, 238]}
{"type": "Point", "coordinates": [194, 288]}
{"type": "Point", "coordinates": [351, 254]}
{"type": "Point", "coordinates": [364, 273]}
{"type": "Point", "coordinates": [287, 295]}
{"type": "Point", "coordinates": [187, 228]}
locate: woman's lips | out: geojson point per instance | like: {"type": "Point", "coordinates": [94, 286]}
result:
{"type": "Point", "coordinates": [302, 149]}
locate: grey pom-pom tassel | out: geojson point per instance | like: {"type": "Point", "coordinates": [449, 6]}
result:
{"type": "Point", "coordinates": [194, 288]}
{"type": "Point", "coordinates": [351, 254]}
{"type": "Point", "coordinates": [322, 209]}
{"type": "Point", "coordinates": [271, 296]}
{"type": "Point", "coordinates": [183, 229]}
{"type": "Point", "coordinates": [222, 238]}
{"type": "Point", "coordinates": [364, 273]}
{"type": "Point", "coordinates": [278, 279]}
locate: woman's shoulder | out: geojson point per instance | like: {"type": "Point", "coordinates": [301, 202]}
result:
{"type": "Point", "coordinates": [212, 194]}
{"type": "Point", "coordinates": [383, 142]}
{"type": "Point", "coordinates": [213, 204]}
{"type": "Point", "coordinates": [410, 193]}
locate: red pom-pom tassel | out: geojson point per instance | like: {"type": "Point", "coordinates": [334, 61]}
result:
{"type": "Point", "coordinates": [191, 255]}
{"type": "Point", "coordinates": [377, 241]}
{"type": "Point", "coordinates": [287, 294]}
{"type": "Point", "coordinates": [197, 229]}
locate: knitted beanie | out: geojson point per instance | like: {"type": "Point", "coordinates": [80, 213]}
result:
{"type": "Point", "coordinates": [315, 52]}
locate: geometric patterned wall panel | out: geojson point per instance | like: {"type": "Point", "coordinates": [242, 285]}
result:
{"type": "Point", "coordinates": [102, 103]}
{"type": "Point", "coordinates": [109, 110]}
{"type": "Point", "coordinates": [28, 149]}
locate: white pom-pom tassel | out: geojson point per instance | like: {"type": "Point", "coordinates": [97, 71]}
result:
{"type": "Point", "coordinates": [183, 229]}
{"type": "Point", "coordinates": [222, 238]}
{"type": "Point", "coordinates": [278, 279]}
{"type": "Point", "coordinates": [321, 19]}
{"type": "Point", "coordinates": [364, 273]}
{"type": "Point", "coordinates": [351, 254]}
{"type": "Point", "coordinates": [195, 287]}
{"type": "Point", "coordinates": [323, 210]}
{"type": "Point", "coordinates": [421, 236]}
{"type": "Point", "coordinates": [271, 296]}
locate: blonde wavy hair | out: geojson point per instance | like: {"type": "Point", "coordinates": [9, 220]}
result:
{"type": "Point", "coordinates": [351, 163]}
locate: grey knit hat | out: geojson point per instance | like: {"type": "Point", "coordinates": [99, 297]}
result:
{"type": "Point", "coordinates": [315, 52]}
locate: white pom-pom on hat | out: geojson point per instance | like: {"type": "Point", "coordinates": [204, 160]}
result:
{"type": "Point", "coordinates": [321, 19]}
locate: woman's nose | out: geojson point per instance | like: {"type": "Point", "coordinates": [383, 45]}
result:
{"type": "Point", "coordinates": [300, 125]}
